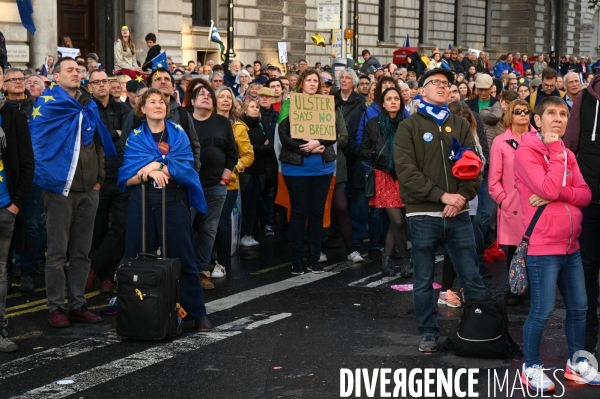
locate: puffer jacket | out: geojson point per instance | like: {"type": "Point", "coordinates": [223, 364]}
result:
{"type": "Point", "coordinates": [245, 153]}
{"type": "Point", "coordinates": [543, 170]}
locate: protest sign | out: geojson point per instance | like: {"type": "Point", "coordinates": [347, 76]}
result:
{"type": "Point", "coordinates": [312, 117]}
{"type": "Point", "coordinates": [69, 52]}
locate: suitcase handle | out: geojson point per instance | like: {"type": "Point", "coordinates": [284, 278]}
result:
{"type": "Point", "coordinates": [164, 222]}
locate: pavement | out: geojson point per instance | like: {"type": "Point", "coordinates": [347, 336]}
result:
{"type": "Point", "coordinates": [276, 336]}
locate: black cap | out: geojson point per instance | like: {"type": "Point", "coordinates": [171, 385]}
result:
{"type": "Point", "coordinates": [133, 85]}
{"type": "Point", "coordinates": [436, 71]}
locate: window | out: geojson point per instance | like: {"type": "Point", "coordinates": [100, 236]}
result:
{"type": "Point", "coordinates": [201, 12]}
{"type": "Point", "coordinates": [383, 21]}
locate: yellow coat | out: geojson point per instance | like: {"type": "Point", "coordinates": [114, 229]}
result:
{"type": "Point", "coordinates": [245, 153]}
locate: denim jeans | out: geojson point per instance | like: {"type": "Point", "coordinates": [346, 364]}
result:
{"type": "Point", "coordinates": [35, 226]}
{"type": "Point", "coordinates": [206, 225]}
{"type": "Point", "coordinates": [7, 225]}
{"type": "Point", "coordinates": [307, 197]}
{"type": "Point", "coordinates": [359, 213]}
{"type": "Point", "coordinates": [108, 237]}
{"type": "Point", "coordinates": [545, 272]}
{"type": "Point", "coordinates": [250, 197]}
{"type": "Point", "coordinates": [455, 235]}
{"type": "Point", "coordinates": [224, 229]}
{"type": "Point", "coordinates": [70, 221]}
{"type": "Point", "coordinates": [590, 257]}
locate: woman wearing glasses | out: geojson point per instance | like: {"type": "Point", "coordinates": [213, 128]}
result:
{"type": "Point", "coordinates": [502, 182]}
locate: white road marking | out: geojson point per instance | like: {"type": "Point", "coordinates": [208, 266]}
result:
{"type": "Point", "coordinates": [379, 280]}
{"type": "Point", "coordinates": [383, 280]}
{"type": "Point", "coordinates": [247, 296]}
{"type": "Point", "coordinates": [357, 283]}
{"type": "Point", "coordinates": [37, 360]}
{"type": "Point", "coordinates": [137, 361]}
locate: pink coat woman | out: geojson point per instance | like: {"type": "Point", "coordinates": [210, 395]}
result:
{"type": "Point", "coordinates": [501, 180]}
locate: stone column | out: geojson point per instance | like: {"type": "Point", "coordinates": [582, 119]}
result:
{"type": "Point", "coordinates": [145, 20]}
{"type": "Point", "coordinates": [45, 39]}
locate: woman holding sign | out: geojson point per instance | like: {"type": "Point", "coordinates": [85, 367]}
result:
{"type": "Point", "coordinates": [307, 165]}
{"type": "Point", "coordinates": [377, 145]}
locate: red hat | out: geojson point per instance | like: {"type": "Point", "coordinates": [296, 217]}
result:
{"type": "Point", "coordinates": [468, 166]}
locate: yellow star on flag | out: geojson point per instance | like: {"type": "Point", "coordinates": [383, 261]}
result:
{"type": "Point", "coordinates": [137, 131]}
{"type": "Point", "coordinates": [52, 85]}
{"type": "Point", "coordinates": [140, 78]}
{"type": "Point", "coordinates": [36, 112]}
{"type": "Point", "coordinates": [178, 126]}
{"type": "Point", "coordinates": [157, 75]}
{"type": "Point", "coordinates": [48, 98]}
{"type": "Point", "coordinates": [159, 64]}
{"type": "Point", "coordinates": [1, 179]}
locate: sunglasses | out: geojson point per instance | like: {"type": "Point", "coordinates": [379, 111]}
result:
{"type": "Point", "coordinates": [521, 111]}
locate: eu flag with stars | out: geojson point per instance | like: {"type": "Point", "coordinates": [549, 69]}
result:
{"type": "Point", "coordinates": [25, 11]}
{"type": "Point", "coordinates": [160, 61]}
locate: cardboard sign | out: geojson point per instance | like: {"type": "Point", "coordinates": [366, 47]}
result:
{"type": "Point", "coordinates": [312, 117]}
{"type": "Point", "coordinates": [69, 52]}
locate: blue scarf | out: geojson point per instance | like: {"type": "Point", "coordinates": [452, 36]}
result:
{"type": "Point", "coordinates": [439, 114]}
{"type": "Point", "coordinates": [58, 126]}
{"type": "Point", "coordinates": [141, 149]}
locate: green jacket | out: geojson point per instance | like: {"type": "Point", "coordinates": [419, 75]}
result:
{"type": "Point", "coordinates": [423, 167]}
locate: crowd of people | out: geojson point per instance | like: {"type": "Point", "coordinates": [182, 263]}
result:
{"type": "Point", "coordinates": [446, 150]}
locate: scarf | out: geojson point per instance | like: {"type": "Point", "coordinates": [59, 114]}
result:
{"type": "Point", "coordinates": [59, 124]}
{"type": "Point", "coordinates": [439, 114]}
{"type": "Point", "coordinates": [141, 149]}
{"type": "Point", "coordinates": [389, 127]}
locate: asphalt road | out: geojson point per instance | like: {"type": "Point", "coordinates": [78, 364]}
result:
{"type": "Point", "coordinates": [276, 336]}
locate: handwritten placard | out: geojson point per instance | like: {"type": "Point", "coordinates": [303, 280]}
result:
{"type": "Point", "coordinates": [312, 117]}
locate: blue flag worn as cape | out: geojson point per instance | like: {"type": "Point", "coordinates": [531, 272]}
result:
{"type": "Point", "coordinates": [141, 149]}
{"type": "Point", "coordinates": [58, 126]}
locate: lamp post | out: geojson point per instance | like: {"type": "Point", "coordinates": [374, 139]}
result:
{"type": "Point", "coordinates": [230, 55]}
{"type": "Point", "coordinates": [355, 47]}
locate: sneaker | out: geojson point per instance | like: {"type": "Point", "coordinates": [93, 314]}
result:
{"type": "Point", "coordinates": [207, 285]}
{"type": "Point", "coordinates": [428, 343]}
{"type": "Point", "coordinates": [582, 373]}
{"type": "Point", "coordinates": [450, 299]}
{"type": "Point", "coordinates": [218, 271]}
{"type": "Point", "coordinates": [248, 241]}
{"type": "Point", "coordinates": [355, 257]}
{"type": "Point", "coordinates": [406, 267]}
{"type": "Point", "coordinates": [315, 268]}
{"type": "Point", "coordinates": [40, 268]}
{"type": "Point", "coordinates": [269, 230]}
{"type": "Point", "coordinates": [375, 254]}
{"type": "Point", "coordinates": [536, 379]}
{"type": "Point", "coordinates": [27, 284]}
{"type": "Point", "coordinates": [297, 268]}
{"type": "Point", "coordinates": [6, 345]}
{"type": "Point", "coordinates": [322, 258]}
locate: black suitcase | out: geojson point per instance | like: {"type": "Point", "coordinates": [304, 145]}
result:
{"type": "Point", "coordinates": [148, 293]}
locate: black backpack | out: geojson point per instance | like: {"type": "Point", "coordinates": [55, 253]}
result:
{"type": "Point", "coordinates": [483, 332]}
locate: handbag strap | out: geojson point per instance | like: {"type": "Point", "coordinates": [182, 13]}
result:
{"type": "Point", "coordinates": [380, 151]}
{"type": "Point", "coordinates": [533, 222]}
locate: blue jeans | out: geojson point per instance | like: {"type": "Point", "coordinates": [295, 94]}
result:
{"type": "Point", "coordinates": [308, 195]}
{"type": "Point", "coordinates": [545, 273]}
{"type": "Point", "coordinates": [455, 235]}
{"type": "Point", "coordinates": [35, 226]}
{"type": "Point", "coordinates": [224, 230]}
{"type": "Point", "coordinates": [359, 213]}
{"type": "Point", "coordinates": [206, 225]}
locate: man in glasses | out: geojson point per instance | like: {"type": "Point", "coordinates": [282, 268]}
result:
{"type": "Point", "coordinates": [546, 89]}
{"type": "Point", "coordinates": [363, 85]}
{"type": "Point", "coordinates": [112, 201]}
{"type": "Point", "coordinates": [16, 94]}
{"type": "Point", "coordinates": [436, 200]}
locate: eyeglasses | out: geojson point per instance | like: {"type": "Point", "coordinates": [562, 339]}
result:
{"type": "Point", "coordinates": [521, 111]}
{"type": "Point", "coordinates": [439, 83]}
{"type": "Point", "coordinates": [547, 86]}
{"type": "Point", "coordinates": [16, 80]}
{"type": "Point", "coordinates": [364, 83]}
{"type": "Point", "coordinates": [97, 82]}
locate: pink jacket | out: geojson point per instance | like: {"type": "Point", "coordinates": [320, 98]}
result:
{"type": "Point", "coordinates": [502, 188]}
{"type": "Point", "coordinates": [540, 170]}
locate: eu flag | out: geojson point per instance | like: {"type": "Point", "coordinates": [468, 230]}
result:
{"type": "Point", "coordinates": [25, 11]}
{"type": "Point", "coordinates": [160, 61]}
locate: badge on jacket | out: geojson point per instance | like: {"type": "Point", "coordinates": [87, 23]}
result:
{"type": "Point", "coordinates": [428, 137]}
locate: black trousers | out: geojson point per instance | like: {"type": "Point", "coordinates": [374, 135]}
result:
{"type": "Point", "coordinates": [590, 256]}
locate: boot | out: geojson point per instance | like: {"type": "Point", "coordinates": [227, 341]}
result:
{"type": "Point", "coordinates": [387, 267]}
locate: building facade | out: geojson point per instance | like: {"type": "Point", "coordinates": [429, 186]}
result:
{"type": "Point", "coordinates": [182, 27]}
